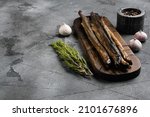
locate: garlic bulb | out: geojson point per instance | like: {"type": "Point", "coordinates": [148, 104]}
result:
{"type": "Point", "coordinates": [135, 45]}
{"type": "Point", "coordinates": [65, 30]}
{"type": "Point", "coordinates": [141, 36]}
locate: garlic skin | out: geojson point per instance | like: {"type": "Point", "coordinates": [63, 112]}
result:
{"type": "Point", "coordinates": [141, 36]}
{"type": "Point", "coordinates": [135, 45]}
{"type": "Point", "coordinates": [65, 30]}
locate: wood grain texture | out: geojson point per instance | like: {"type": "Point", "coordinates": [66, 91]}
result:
{"type": "Point", "coordinates": [96, 63]}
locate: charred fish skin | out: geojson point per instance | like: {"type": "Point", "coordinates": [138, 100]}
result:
{"type": "Point", "coordinates": [105, 39]}
{"type": "Point", "coordinates": [93, 39]}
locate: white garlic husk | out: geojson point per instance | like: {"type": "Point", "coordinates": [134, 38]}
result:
{"type": "Point", "coordinates": [135, 45]}
{"type": "Point", "coordinates": [141, 36]}
{"type": "Point", "coordinates": [65, 30]}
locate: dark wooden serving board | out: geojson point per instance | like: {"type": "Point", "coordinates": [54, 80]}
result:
{"type": "Point", "coordinates": [98, 68]}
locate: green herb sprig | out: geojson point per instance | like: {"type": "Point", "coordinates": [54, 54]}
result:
{"type": "Point", "coordinates": [71, 57]}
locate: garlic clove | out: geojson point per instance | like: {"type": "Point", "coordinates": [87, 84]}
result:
{"type": "Point", "coordinates": [65, 30]}
{"type": "Point", "coordinates": [135, 45]}
{"type": "Point", "coordinates": [141, 36]}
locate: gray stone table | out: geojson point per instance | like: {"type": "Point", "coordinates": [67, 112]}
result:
{"type": "Point", "coordinates": [30, 69]}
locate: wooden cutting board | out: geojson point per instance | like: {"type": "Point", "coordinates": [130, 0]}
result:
{"type": "Point", "coordinates": [97, 67]}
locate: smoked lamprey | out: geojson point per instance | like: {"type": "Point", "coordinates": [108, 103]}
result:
{"type": "Point", "coordinates": [91, 36]}
{"type": "Point", "coordinates": [118, 44]}
{"type": "Point", "coordinates": [107, 41]}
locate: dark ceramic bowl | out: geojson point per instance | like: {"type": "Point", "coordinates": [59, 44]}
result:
{"type": "Point", "coordinates": [130, 20]}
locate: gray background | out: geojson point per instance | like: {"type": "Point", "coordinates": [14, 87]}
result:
{"type": "Point", "coordinates": [30, 69]}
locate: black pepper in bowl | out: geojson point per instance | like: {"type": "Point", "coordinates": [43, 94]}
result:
{"type": "Point", "coordinates": [130, 20]}
{"type": "Point", "coordinates": [131, 12]}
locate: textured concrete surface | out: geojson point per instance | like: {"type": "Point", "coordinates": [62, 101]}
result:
{"type": "Point", "coordinates": [30, 69]}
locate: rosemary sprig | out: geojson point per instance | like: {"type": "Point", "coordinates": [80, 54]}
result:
{"type": "Point", "coordinates": [71, 58]}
